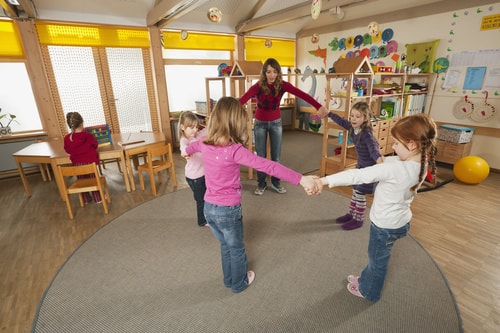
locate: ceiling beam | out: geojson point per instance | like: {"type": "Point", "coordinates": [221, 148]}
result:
{"type": "Point", "coordinates": [168, 10]}
{"type": "Point", "coordinates": [286, 15]}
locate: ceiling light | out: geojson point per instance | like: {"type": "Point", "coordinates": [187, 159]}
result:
{"type": "Point", "coordinates": [13, 2]}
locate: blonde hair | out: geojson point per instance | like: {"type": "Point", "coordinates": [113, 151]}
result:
{"type": "Point", "coordinates": [228, 123]}
{"type": "Point", "coordinates": [365, 110]}
{"type": "Point", "coordinates": [186, 119]}
{"type": "Point", "coordinates": [422, 130]}
{"type": "Point", "coordinates": [74, 120]}
{"type": "Point", "coordinates": [263, 78]}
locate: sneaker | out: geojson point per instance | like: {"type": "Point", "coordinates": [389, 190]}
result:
{"type": "Point", "coordinates": [353, 278]}
{"type": "Point", "coordinates": [352, 224]}
{"type": "Point", "coordinates": [251, 277]}
{"type": "Point", "coordinates": [260, 190]}
{"type": "Point", "coordinates": [354, 289]}
{"type": "Point", "coordinates": [343, 219]}
{"type": "Point", "coordinates": [279, 190]}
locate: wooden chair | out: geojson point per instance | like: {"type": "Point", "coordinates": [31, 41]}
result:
{"type": "Point", "coordinates": [159, 158]}
{"type": "Point", "coordinates": [81, 185]}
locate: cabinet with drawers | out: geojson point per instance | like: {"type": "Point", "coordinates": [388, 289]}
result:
{"type": "Point", "coordinates": [382, 132]}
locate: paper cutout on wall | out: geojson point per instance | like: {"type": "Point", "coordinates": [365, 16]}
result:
{"type": "Point", "coordinates": [421, 55]}
{"type": "Point", "coordinates": [319, 52]}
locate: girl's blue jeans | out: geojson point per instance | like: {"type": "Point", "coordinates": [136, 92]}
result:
{"type": "Point", "coordinates": [199, 188]}
{"type": "Point", "coordinates": [226, 223]}
{"type": "Point", "coordinates": [275, 131]}
{"type": "Point", "coordinates": [380, 245]}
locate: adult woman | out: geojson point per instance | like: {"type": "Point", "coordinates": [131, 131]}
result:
{"type": "Point", "coordinates": [268, 93]}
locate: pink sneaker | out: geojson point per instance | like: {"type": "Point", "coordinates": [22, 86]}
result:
{"type": "Point", "coordinates": [353, 288]}
{"type": "Point", "coordinates": [353, 278]}
{"type": "Point", "coordinates": [251, 277]}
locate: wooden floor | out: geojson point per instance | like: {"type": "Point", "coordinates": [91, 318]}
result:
{"type": "Point", "coordinates": [458, 224]}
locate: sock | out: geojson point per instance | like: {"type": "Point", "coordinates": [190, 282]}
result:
{"type": "Point", "coordinates": [360, 206]}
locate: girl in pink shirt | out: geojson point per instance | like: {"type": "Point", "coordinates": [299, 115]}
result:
{"type": "Point", "coordinates": [223, 151]}
{"type": "Point", "coordinates": [194, 170]}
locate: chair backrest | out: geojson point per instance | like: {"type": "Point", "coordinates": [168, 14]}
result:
{"type": "Point", "coordinates": [160, 153]}
{"type": "Point", "coordinates": [92, 182]}
{"type": "Point", "coordinates": [78, 170]}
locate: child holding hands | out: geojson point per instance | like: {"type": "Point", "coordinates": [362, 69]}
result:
{"type": "Point", "coordinates": [399, 178]}
{"type": "Point", "coordinates": [223, 152]}
{"type": "Point", "coordinates": [194, 170]}
{"type": "Point", "coordinates": [367, 150]}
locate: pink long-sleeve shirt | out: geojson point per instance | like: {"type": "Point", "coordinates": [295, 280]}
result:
{"type": "Point", "coordinates": [194, 166]}
{"type": "Point", "coordinates": [222, 170]}
{"type": "Point", "coordinates": [268, 106]}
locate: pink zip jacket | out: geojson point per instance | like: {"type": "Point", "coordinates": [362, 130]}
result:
{"type": "Point", "coordinates": [222, 170]}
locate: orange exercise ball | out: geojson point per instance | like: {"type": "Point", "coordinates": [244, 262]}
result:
{"type": "Point", "coordinates": [471, 169]}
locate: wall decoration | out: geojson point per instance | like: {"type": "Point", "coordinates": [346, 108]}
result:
{"type": "Point", "coordinates": [483, 112]}
{"type": "Point", "coordinates": [315, 9]}
{"type": "Point", "coordinates": [319, 52]}
{"type": "Point", "coordinates": [342, 44]}
{"type": "Point", "coordinates": [214, 14]}
{"type": "Point", "coordinates": [334, 44]}
{"type": "Point", "coordinates": [373, 28]}
{"type": "Point", "coordinates": [315, 38]}
{"type": "Point", "coordinates": [463, 109]}
{"type": "Point", "coordinates": [440, 65]}
{"type": "Point", "coordinates": [421, 56]}
{"type": "Point", "coordinates": [387, 35]}
{"type": "Point", "coordinates": [474, 78]}
{"type": "Point", "coordinates": [367, 39]}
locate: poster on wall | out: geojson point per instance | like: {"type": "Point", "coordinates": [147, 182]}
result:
{"type": "Point", "coordinates": [474, 78]}
{"type": "Point", "coordinates": [421, 55]}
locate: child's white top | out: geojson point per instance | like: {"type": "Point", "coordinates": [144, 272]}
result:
{"type": "Point", "coordinates": [392, 197]}
{"type": "Point", "coordinates": [194, 168]}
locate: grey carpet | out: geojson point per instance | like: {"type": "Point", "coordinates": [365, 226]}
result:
{"type": "Point", "coordinates": [301, 151]}
{"type": "Point", "coordinates": [154, 270]}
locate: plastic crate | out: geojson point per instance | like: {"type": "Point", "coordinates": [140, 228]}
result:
{"type": "Point", "coordinates": [455, 134]}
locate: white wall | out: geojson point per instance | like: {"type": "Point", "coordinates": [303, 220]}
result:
{"type": "Point", "coordinates": [457, 31]}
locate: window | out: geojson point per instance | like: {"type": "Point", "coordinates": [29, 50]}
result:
{"type": "Point", "coordinates": [16, 97]}
{"type": "Point", "coordinates": [186, 83]}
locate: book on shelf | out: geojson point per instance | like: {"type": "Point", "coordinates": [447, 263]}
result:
{"type": "Point", "coordinates": [414, 104]}
{"type": "Point", "coordinates": [389, 108]}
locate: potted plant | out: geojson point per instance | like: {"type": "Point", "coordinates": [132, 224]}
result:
{"type": "Point", "coordinates": [5, 130]}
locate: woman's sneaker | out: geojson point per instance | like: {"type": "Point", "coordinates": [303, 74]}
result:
{"type": "Point", "coordinates": [279, 190]}
{"type": "Point", "coordinates": [260, 190]}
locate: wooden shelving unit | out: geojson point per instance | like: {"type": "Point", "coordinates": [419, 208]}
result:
{"type": "Point", "coordinates": [379, 90]}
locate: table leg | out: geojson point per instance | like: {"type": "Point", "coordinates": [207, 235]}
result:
{"type": "Point", "coordinates": [23, 177]}
{"type": "Point", "coordinates": [58, 178]}
{"type": "Point", "coordinates": [125, 176]}
{"type": "Point", "coordinates": [130, 173]}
